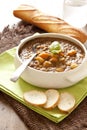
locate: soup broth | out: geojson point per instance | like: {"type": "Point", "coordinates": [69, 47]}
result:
{"type": "Point", "coordinates": [70, 56]}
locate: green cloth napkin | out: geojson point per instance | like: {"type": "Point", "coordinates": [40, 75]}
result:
{"type": "Point", "coordinates": [16, 90]}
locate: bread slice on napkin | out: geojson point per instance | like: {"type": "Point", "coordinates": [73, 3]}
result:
{"type": "Point", "coordinates": [66, 102]}
{"type": "Point", "coordinates": [35, 97]}
{"type": "Point", "coordinates": [52, 98]}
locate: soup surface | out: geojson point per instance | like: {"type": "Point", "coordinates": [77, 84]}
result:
{"type": "Point", "coordinates": [68, 57]}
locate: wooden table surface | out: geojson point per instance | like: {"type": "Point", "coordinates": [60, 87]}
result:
{"type": "Point", "coordinates": [9, 120]}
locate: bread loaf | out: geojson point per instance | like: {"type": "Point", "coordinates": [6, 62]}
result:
{"type": "Point", "coordinates": [48, 23]}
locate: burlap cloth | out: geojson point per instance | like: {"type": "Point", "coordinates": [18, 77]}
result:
{"type": "Point", "coordinates": [77, 120]}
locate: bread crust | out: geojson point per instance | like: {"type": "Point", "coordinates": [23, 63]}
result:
{"type": "Point", "coordinates": [48, 23]}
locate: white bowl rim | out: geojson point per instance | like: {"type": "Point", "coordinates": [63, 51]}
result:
{"type": "Point", "coordinates": [25, 40]}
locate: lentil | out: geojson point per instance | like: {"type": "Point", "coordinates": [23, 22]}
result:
{"type": "Point", "coordinates": [69, 58]}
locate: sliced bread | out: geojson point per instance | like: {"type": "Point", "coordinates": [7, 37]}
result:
{"type": "Point", "coordinates": [35, 97]}
{"type": "Point", "coordinates": [66, 102]}
{"type": "Point", "coordinates": [52, 98]}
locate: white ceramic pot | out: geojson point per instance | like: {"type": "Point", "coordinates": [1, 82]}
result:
{"type": "Point", "coordinates": [52, 79]}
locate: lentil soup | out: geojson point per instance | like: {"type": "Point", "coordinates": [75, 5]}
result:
{"type": "Point", "coordinates": [70, 56]}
